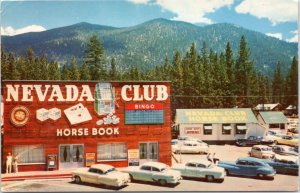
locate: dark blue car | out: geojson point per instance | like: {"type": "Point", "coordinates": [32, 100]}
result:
{"type": "Point", "coordinates": [284, 166]}
{"type": "Point", "coordinates": [249, 166]}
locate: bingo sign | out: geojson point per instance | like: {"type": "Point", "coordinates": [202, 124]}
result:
{"type": "Point", "coordinates": [145, 113]}
{"type": "Point", "coordinates": [192, 130]}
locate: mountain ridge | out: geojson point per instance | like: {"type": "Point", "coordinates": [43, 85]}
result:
{"type": "Point", "coordinates": [147, 44]}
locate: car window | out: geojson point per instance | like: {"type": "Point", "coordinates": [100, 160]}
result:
{"type": "Point", "coordinates": [155, 169]}
{"type": "Point", "coordinates": [110, 170]}
{"type": "Point", "coordinates": [93, 170]}
{"type": "Point", "coordinates": [191, 164]}
{"type": "Point", "coordinates": [242, 162]}
{"type": "Point", "coordinates": [266, 149]}
{"type": "Point", "coordinates": [201, 166]}
{"type": "Point", "coordinates": [148, 168]}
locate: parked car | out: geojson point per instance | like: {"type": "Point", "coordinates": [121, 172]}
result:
{"type": "Point", "coordinates": [200, 168]}
{"type": "Point", "coordinates": [154, 172]}
{"type": "Point", "coordinates": [286, 140]}
{"type": "Point", "coordinates": [187, 138]}
{"type": "Point", "coordinates": [101, 174]}
{"type": "Point", "coordinates": [261, 151]}
{"type": "Point", "coordinates": [254, 140]}
{"type": "Point", "coordinates": [284, 150]}
{"type": "Point", "coordinates": [190, 147]}
{"type": "Point", "coordinates": [248, 166]}
{"type": "Point", "coordinates": [293, 131]}
{"type": "Point", "coordinates": [284, 164]}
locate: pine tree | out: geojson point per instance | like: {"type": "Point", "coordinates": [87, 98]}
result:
{"type": "Point", "coordinates": [74, 73]}
{"type": "Point", "coordinates": [14, 74]}
{"type": "Point", "coordinates": [65, 73]}
{"type": "Point", "coordinates": [113, 73]}
{"type": "Point", "coordinates": [230, 100]}
{"type": "Point", "coordinates": [277, 85]}
{"type": "Point", "coordinates": [292, 84]}
{"type": "Point", "coordinates": [54, 71]}
{"type": "Point", "coordinates": [30, 65]}
{"type": "Point", "coordinates": [4, 66]}
{"type": "Point", "coordinates": [44, 68]}
{"type": "Point", "coordinates": [93, 58]}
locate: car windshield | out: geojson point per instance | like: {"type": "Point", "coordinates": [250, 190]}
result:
{"type": "Point", "coordinates": [266, 149]}
{"type": "Point", "coordinates": [110, 170]}
{"type": "Point", "coordinates": [164, 169]}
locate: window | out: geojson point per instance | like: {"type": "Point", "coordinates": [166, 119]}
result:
{"type": "Point", "coordinates": [207, 129]}
{"type": "Point", "coordinates": [148, 168]}
{"type": "Point", "coordinates": [155, 169]}
{"type": "Point", "coordinates": [201, 166]}
{"type": "Point", "coordinates": [153, 147]}
{"type": "Point", "coordinates": [242, 162]}
{"type": "Point", "coordinates": [282, 126]}
{"type": "Point", "coordinates": [273, 126]}
{"type": "Point", "coordinates": [191, 165]}
{"type": "Point", "coordinates": [226, 129]}
{"type": "Point", "coordinates": [111, 151]}
{"type": "Point", "coordinates": [29, 154]}
{"type": "Point", "coordinates": [240, 129]}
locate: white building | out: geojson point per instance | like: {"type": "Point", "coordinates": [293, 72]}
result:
{"type": "Point", "coordinates": [217, 125]}
{"type": "Point", "coordinates": [273, 121]}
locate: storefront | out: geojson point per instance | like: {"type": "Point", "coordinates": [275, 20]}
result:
{"type": "Point", "coordinates": [273, 121]}
{"type": "Point", "coordinates": [60, 125]}
{"type": "Point", "coordinates": [217, 125]}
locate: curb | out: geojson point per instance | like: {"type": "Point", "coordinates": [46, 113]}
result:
{"type": "Point", "coordinates": [34, 177]}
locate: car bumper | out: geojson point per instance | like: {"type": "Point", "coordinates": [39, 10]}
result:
{"type": "Point", "coordinates": [174, 180]}
{"type": "Point", "coordinates": [123, 183]}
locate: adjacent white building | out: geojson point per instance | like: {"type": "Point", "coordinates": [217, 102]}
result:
{"type": "Point", "coordinates": [273, 121]}
{"type": "Point", "coordinates": [217, 125]}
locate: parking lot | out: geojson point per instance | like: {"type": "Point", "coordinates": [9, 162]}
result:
{"type": "Point", "coordinates": [223, 152]}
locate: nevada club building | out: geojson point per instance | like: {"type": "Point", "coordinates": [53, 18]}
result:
{"type": "Point", "coordinates": [64, 124]}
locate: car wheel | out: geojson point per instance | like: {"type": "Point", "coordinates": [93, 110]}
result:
{"type": "Point", "coordinates": [227, 173]}
{"type": "Point", "coordinates": [209, 178]}
{"type": "Point", "coordinates": [131, 178]}
{"type": "Point", "coordinates": [77, 179]}
{"type": "Point", "coordinates": [162, 182]}
{"type": "Point", "coordinates": [261, 176]}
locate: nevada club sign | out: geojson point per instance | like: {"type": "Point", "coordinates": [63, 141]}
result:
{"type": "Point", "coordinates": [53, 93]}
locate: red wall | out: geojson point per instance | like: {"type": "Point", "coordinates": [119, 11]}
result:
{"type": "Point", "coordinates": [36, 132]}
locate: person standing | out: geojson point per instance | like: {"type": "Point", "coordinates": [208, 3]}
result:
{"type": "Point", "coordinates": [8, 162]}
{"type": "Point", "coordinates": [15, 164]}
{"type": "Point", "coordinates": [209, 157]}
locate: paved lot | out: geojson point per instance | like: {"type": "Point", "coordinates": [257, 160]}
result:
{"type": "Point", "coordinates": [231, 183]}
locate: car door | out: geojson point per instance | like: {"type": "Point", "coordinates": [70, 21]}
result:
{"type": "Point", "coordinates": [92, 175]}
{"type": "Point", "coordinates": [201, 171]}
{"type": "Point", "coordinates": [190, 170]}
{"type": "Point", "coordinates": [144, 173]}
{"type": "Point", "coordinates": [252, 168]}
{"type": "Point", "coordinates": [241, 168]}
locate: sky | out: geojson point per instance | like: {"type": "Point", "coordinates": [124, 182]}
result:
{"type": "Point", "coordinates": [276, 18]}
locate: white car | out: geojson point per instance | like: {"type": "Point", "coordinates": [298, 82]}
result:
{"type": "Point", "coordinates": [153, 172]}
{"type": "Point", "coordinates": [201, 169]}
{"type": "Point", "coordinates": [187, 138]}
{"type": "Point", "coordinates": [190, 147]}
{"type": "Point", "coordinates": [261, 151]}
{"type": "Point", "coordinates": [101, 174]}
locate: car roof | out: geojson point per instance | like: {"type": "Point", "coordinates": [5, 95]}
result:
{"type": "Point", "coordinates": [155, 164]}
{"type": "Point", "coordinates": [103, 167]}
{"type": "Point", "coordinates": [251, 159]}
{"type": "Point", "coordinates": [261, 146]}
{"type": "Point", "coordinates": [191, 142]}
{"type": "Point", "coordinates": [199, 161]}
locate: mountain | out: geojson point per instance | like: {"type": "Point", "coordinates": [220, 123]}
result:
{"type": "Point", "coordinates": [147, 44]}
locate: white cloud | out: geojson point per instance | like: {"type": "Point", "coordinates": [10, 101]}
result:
{"type": "Point", "coordinates": [275, 35]}
{"type": "Point", "coordinates": [277, 11]}
{"type": "Point", "coordinates": [295, 37]}
{"type": "Point", "coordinates": [10, 31]}
{"type": "Point", "coordinates": [139, 1]}
{"type": "Point", "coordinates": [193, 11]}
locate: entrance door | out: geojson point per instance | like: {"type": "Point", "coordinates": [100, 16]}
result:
{"type": "Point", "coordinates": [71, 156]}
{"type": "Point", "coordinates": [148, 152]}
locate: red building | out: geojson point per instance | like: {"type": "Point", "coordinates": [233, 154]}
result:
{"type": "Point", "coordinates": [59, 125]}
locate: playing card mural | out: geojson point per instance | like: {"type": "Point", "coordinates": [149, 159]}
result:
{"type": "Point", "coordinates": [77, 114]}
{"type": "Point", "coordinates": [104, 99]}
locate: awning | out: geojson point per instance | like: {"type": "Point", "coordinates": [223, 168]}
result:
{"type": "Point", "coordinates": [227, 127]}
{"type": "Point", "coordinates": [241, 127]}
{"type": "Point", "coordinates": [207, 127]}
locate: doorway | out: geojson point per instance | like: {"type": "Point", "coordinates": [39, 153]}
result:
{"type": "Point", "coordinates": [71, 156]}
{"type": "Point", "coordinates": [148, 151]}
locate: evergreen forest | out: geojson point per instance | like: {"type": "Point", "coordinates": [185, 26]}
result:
{"type": "Point", "coordinates": [201, 78]}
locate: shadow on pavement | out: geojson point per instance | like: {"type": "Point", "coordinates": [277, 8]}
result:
{"type": "Point", "coordinates": [154, 184]}
{"type": "Point", "coordinates": [99, 186]}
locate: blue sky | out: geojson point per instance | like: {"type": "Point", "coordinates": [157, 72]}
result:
{"type": "Point", "coordinates": [277, 18]}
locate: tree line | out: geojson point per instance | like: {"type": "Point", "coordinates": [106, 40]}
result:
{"type": "Point", "coordinates": [200, 78]}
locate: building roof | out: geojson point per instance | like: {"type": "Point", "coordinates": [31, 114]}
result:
{"type": "Point", "coordinates": [266, 106]}
{"type": "Point", "coordinates": [291, 107]}
{"type": "Point", "coordinates": [273, 117]}
{"type": "Point", "coordinates": [211, 116]}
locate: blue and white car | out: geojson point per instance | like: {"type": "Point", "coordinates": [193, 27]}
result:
{"type": "Point", "coordinates": [249, 166]}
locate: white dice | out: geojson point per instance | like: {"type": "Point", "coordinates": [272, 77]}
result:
{"type": "Point", "coordinates": [54, 114]}
{"type": "Point", "coordinates": [42, 114]}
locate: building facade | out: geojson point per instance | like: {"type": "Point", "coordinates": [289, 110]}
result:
{"type": "Point", "coordinates": [59, 125]}
{"type": "Point", "coordinates": [217, 125]}
{"type": "Point", "coordinates": [273, 121]}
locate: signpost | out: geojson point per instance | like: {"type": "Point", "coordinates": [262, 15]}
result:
{"type": "Point", "coordinates": [51, 161]}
